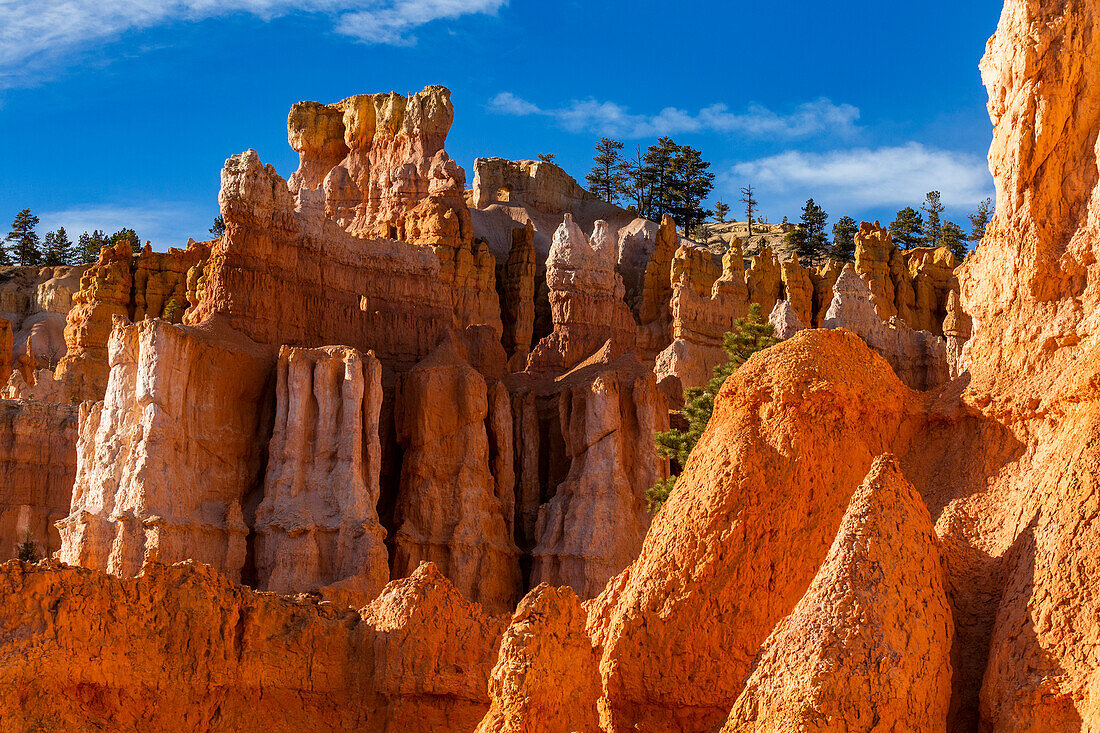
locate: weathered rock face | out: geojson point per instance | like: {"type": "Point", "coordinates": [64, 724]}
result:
{"type": "Point", "coordinates": [764, 279]}
{"type": "Point", "coordinates": [104, 293]}
{"type": "Point", "coordinates": [705, 306]}
{"type": "Point", "coordinates": [918, 357]}
{"type": "Point", "coordinates": [189, 648]}
{"type": "Point", "coordinates": [37, 464]}
{"type": "Point", "coordinates": [798, 290]}
{"type": "Point", "coordinates": [517, 297]}
{"type": "Point", "coordinates": [394, 179]}
{"type": "Point", "coordinates": [593, 525]}
{"type": "Point", "coordinates": [444, 426]}
{"type": "Point", "coordinates": [586, 299]}
{"type": "Point", "coordinates": [149, 285]}
{"type": "Point", "coordinates": [547, 678]}
{"type": "Point", "coordinates": [878, 596]}
{"type": "Point", "coordinates": [656, 288]}
{"type": "Point", "coordinates": [511, 193]}
{"type": "Point", "coordinates": [6, 354]}
{"type": "Point", "coordinates": [284, 274]}
{"type": "Point", "coordinates": [746, 530]}
{"type": "Point", "coordinates": [166, 462]}
{"type": "Point", "coordinates": [785, 320]}
{"type": "Point", "coordinates": [1033, 289]}
{"type": "Point", "coordinates": [913, 285]}
{"type": "Point", "coordinates": [318, 524]}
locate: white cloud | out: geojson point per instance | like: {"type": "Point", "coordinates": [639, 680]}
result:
{"type": "Point", "coordinates": [393, 23]}
{"type": "Point", "coordinates": [614, 120]}
{"type": "Point", "coordinates": [163, 223]}
{"type": "Point", "coordinates": [865, 178]}
{"type": "Point", "coordinates": [37, 35]}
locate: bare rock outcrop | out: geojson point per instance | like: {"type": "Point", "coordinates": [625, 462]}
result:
{"type": "Point", "coordinates": [6, 350]}
{"type": "Point", "coordinates": [37, 466]}
{"type": "Point", "coordinates": [444, 425]}
{"type": "Point", "coordinates": [913, 285]}
{"type": "Point", "coordinates": [395, 180]}
{"type": "Point", "coordinates": [593, 525]}
{"type": "Point", "coordinates": [511, 193]}
{"type": "Point", "coordinates": [546, 678]}
{"type": "Point", "coordinates": [918, 357]}
{"type": "Point", "coordinates": [318, 524]}
{"type": "Point", "coordinates": [878, 599]}
{"type": "Point", "coordinates": [166, 461]}
{"type": "Point", "coordinates": [191, 649]}
{"type": "Point", "coordinates": [586, 299]}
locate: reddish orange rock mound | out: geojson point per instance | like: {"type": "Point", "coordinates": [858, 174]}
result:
{"type": "Point", "coordinates": [867, 647]}
{"type": "Point", "coordinates": [190, 650]}
{"type": "Point", "coordinates": [751, 520]}
{"type": "Point", "coordinates": [547, 676]}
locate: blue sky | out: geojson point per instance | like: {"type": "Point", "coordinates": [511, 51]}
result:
{"type": "Point", "coordinates": [122, 114]}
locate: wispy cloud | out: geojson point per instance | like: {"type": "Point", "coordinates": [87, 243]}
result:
{"type": "Point", "coordinates": [865, 178]}
{"type": "Point", "coordinates": [39, 35]}
{"type": "Point", "coordinates": [614, 120]}
{"type": "Point", "coordinates": [163, 223]}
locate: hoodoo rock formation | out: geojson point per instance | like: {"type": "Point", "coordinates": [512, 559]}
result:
{"type": "Point", "coordinates": [318, 522]}
{"type": "Point", "coordinates": [167, 460]}
{"type": "Point", "coordinates": [586, 299]}
{"type": "Point", "coordinates": [445, 428]}
{"type": "Point", "coordinates": [348, 383]}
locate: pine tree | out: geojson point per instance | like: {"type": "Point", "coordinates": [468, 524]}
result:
{"type": "Point", "coordinates": [128, 235]}
{"type": "Point", "coordinates": [933, 225]}
{"type": "Point", "coordinates": [844, 239]}
{"type": "Point", "coordinates": [28, 550]}
{"type": "Point", "coordinates": [606, 179]}
{"type": "Point", "coordinates": [979, 220]}
{"type": "Point", "coordinates": [721, 210]}
{"type": "Point", "coordinates": [907, 229]}
{"type": "Point", "coordinates": [750, 202]}
{"type": "Point", "coordinates": [954, 238]}
{"type": "Point", "coordinates": [660, 170]}
{"type": "Point", "coordinates": [548, 157]}
{"type": "Point", "coordinates": [750, 335]}
{"type": "Point", "coordinates": [22, 241]}
{"type": "Point", "coordinates": [88, 247]}
{"type": "Point", "coordinates": [637, 181]}
{"type": "Point", "coordinates": [57, 249]}
{"type": "Point", "coordinates": [217, 229]}
{"type": "Point", "coordinates": [692, 182]}
{"type": "Point", "coordinates": [808, 240]}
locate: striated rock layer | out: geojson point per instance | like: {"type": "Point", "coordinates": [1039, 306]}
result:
{"type": "Point", "coordinates": [586, 299]}
{"type": "Point", "coordinates": [283, 274]}
{"type": "Point", "coordinates": [593, 525]}
{"type": "Point", "coordinates": [447, 416]}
